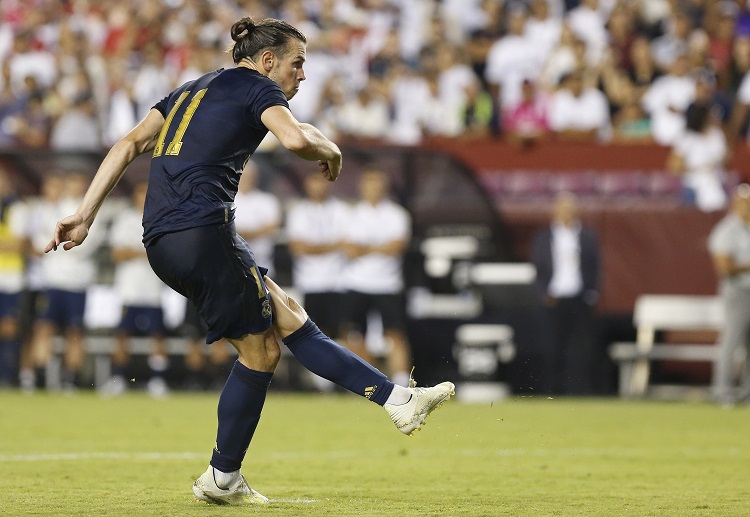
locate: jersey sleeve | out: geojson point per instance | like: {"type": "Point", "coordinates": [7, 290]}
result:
{"type": "Point", "coordinates": [161, 106]}
{"type": "Point", "coordinates": [260, 97]}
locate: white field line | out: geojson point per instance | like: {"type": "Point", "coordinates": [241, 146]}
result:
{"type": "Point", "coordinates": [537, 452]}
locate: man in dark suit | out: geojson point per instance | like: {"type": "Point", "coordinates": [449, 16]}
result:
{"type": "Point", "coordinates": [567, 261]}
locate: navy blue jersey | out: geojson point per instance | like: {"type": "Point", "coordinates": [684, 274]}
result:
{"type": "Point", "coordinates": [212, 126]}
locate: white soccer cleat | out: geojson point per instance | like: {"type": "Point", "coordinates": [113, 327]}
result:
{"type": "Point", "coordinates": [239, 493]}
{"type": "Point", "coordinates": [410, 416]}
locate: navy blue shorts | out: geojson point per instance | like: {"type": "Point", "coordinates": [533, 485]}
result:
{"type": "Point", "coordinates": [10, 304]}
{"type": "Point", "coordinates": [325, 310]}
{"type": "Point", "coordinates": [63, 308]}
{"type": "Point", "coordinates": [357, 305]}
{"type": "Point", "coordinates": [215, 269]}
{"type": "Point", "coordinates": [142, 321]}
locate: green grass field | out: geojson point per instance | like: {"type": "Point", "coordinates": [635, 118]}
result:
{"type": "Point", "coordinates": [340, 455]}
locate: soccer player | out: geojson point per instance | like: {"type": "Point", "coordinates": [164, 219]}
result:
{"type": "Point", "coordinates": [200, 136]}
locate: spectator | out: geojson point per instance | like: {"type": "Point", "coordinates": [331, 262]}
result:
{"type": "Point", "coordinates": [642, 71]}
{"type": "Point", "coordinates": [487, 33]}
{"type": "Point", "coordinates": [77, 129]}
{"type": "Point", "coordinates": [410, 92]}
{"type": "Point", "coordinates": [478, 113]}
{"type": "Point", "coordinates": [66, 277]}
{"type": "Point", "coordinates": [729, 244]}
{"type": "Point", "coordinates": [437, 116]}
{"type": "Point", "coordinates": [569, 55]}
{"type": "Point", "coordinates": [631, 124]}
{"type": "Point", "coordinates": [258, 217]}
{"type": "Point", "coordinates": [737, 124]}
{"type": "Point", "coordinates": [40, 211]}
{"type": "Point", "coordinates": [567, 260]}
{"type": "Point", "coordinates": [667, 99]}
{"type": "Point", "coordinates": [621, 36]}
{"type": "Point", "coordinates": [579, 113]}
{"type": "Point", "coordinates": [526, 122]}
{"type": "Point", "coordinates": [510, 60]}
{"type": "Point", "coordinates": [377, 235]}
{"type": "Point", "coordinates": [454, 75]}
{"type": "Point", "coordinates": [543, 28]}
{"type": "Point", "coordinates": [699, 157]}
{"type": "Point", "coordinates": [32, 125]}
{"type": "Point", "coordinates": [739, 66]}
{"type": "Point", "coordinates": [316, 229]}
{"type": "Point", "coordinates": [26, 60]}
{"type": "Point", "coordinates": [721, 39]}
{"type": "Point", "coordinates": [667, 49]}
{"type": "Point", "coordinates": [587, 21]}
{"type": "Point", "coordinates": [12, 221]}
{"type": "Point", "coordinates": [140, 291]}
{"type": "Point", "coordinates": [366, 115]}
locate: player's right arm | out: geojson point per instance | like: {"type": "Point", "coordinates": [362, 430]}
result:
{"type": "Point", "coordinates": [73, 229]}
{"type": "Point", "coordinates": [304, 140]}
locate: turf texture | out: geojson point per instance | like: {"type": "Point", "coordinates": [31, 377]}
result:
{"type": "Point", "coordinates": [340, 455]}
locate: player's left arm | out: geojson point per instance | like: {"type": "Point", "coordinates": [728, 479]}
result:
{"type": "Point", "coordinates": [73, 229]}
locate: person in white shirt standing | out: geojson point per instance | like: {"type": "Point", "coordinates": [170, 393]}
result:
{"type": "Point", "coordinates": [699, 157]}
{"type": "Point", "coordinates": [258, 217]}
{"type": "Point", "coordinates": [729, 245]}
{"type": "Point", "coordinates": [140, 292]}
{"type": "Point", "coordinates": [567, 261]}
{"type": "Point", "coordinates": [578, 112]}
{"type": "Point", "coordinates": [316, 229]}
{"type": "Point", "coordinates": [378, 233]}
{"type": "Point", "coordinates": [66, 278]}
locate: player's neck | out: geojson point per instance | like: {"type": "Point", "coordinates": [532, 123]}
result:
{"type": "Point", "coordinates": [246, 63]}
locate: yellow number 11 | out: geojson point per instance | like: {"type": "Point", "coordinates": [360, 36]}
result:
{"type": "Point", "coordinates": [173, 149]}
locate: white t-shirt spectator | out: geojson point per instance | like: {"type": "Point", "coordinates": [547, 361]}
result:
{"type": "Point", "coordinates": [371, 120]}
{"type": "Point", "coordinates": [73, 270]}
{"type": "Point", "coordinates": [376, 273]}
{"type": "Point", "coordinates": [703, 155]}
{"type": "Point", "coordinates": [39, 64]}
{"type": "Point", "coordinates": [666, 101]}
{"type": "Point", "coordinates": [588, 25]}
{"type": "Point", "coordinates": [76, 131]}
{"type": "Point", "coordinates": [510, 60]}
{"type": "Point", "coordinates": [135, 281]}
{"type": "Point", "coordinates": [545, 33]}
{"type": "Point", "coordinates": [588, 111]}
{"type": "Point", "coordinates": [315, 223]}
{"type": "Point", "coordinates": [255, 210]}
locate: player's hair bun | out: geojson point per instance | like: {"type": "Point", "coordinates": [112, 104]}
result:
{"type": "Point", "coordinates": [242, 28]}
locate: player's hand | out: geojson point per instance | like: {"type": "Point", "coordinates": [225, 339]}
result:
{"type": "Point", "coordinates": [330, 169]}
{"type": "Point", "coordinates": [70, 232]}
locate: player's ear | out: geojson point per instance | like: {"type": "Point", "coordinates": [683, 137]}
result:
{"type": "Point", "coordinates": [268, 59]}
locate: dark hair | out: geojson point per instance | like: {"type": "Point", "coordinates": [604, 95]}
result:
{"type": "Point", "coordinates": [251, 38]}
{"type": "Point", "coordinates": [696, 116]}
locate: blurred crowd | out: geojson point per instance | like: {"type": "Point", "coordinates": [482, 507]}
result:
{"type": "Point", "coordinates": [79, 74]}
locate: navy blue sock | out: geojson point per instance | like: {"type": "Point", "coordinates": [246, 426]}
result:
{"type": "Point", "coordinates": [240, 404]}
{"type": "Point", "coordinates": [322, 356]}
